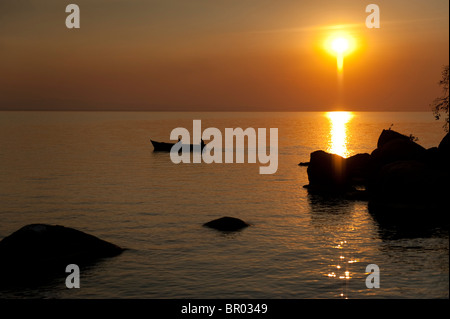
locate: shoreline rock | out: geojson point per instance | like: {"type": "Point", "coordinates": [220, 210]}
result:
{"type": "Point", "coordinates": [37, 249]}
{"type": "Point", "coordinates": [400, 177]}
{"type": "Point", "coordinates": [331, 173]}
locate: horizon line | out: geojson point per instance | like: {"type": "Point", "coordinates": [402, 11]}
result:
{"type": "Point", "coordinates": [220, 111]}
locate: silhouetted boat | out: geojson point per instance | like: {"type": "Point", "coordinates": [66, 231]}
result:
{"type": "Point", "coordinates": [161, 146]}
{"type": "Point", "coordinates": [166, 147]}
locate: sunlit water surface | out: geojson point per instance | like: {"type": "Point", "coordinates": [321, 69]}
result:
{"type": "Point", "coordinates": [97, 172]}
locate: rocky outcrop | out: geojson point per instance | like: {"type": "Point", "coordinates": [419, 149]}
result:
{"type": "Point", "coordinates": [331, 173]}
{"type": "Point", "coordinates": [409, 177]}
{"type": "Point", "coordinates": [326, 172]}
{"type": "Point", "coordinates": [411, 182]}
{"type": "Point", "coordinates": [387, 136]}
{"type": "Point", "coordinates": [49, 248]}
{"type": "Point", "coordinates": [227, 224]}
{"type": "Point", "coordinates": [403, 179]}
{"type": "Point", "coordinates": [359, 168]}
{"type": "Point", "coordinates": [396, 149]}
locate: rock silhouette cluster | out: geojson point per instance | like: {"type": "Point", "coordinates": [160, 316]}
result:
{"type": "Point", "coordinates": [400, 178]}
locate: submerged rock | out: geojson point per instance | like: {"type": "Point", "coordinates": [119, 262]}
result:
{"type": "Point", "coordinates": [227, 224]}
{"type": "Point", "coordinates": [50, 248]}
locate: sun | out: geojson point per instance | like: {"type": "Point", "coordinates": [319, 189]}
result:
{"type": "Point", "coordinates": [340, 45]}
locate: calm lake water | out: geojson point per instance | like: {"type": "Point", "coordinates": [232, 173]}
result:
{"type": "Point", "coordinates": [97, 172]}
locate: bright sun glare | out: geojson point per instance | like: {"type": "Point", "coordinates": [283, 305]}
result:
{"type": "Point", "coordinates": [340, 45]}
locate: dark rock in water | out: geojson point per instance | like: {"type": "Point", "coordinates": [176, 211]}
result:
{"type": "Point", "coordinates": [410, 190]}
{"type": "Point", "coordinates": [396, 221]}
{"type": "Point", "coordinates": [333, 173]}
{"type": "Point", "coordinates": [387, 136]}
{"type": "Point", "coordinates": [50, 248]}
{"type": "Point", "coordinates": [327, 172]}
{"type": "Point", "coordinates": [409, 185]}
{"type": "Point", "coordinates": [227, 224]}
{"type": "Point", "coordinates": [359, 168]}
{"type": "Point", "coordinates": [404, 182]}
{"type": "Point", "coordinates": [357, 195]}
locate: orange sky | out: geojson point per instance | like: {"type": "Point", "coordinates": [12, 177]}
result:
{"type": "Point", "coordinates": [224, 55]}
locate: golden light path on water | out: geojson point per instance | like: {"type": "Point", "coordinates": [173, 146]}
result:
{"type": "Point", "coordinates": [338, 132]}
{"type": "Point", "coordinates": [338, 144]}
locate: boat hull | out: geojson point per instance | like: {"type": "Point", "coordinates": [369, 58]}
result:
{"type": "Point", "coordinates": [161, 146]}
{"type": "Point", "coordinates": [167, 147]}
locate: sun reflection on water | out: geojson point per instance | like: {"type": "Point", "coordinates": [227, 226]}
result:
{"type": "Point", "coordinates": [340, 268]}
{"type": "Point", "coordinates": [338, 132]}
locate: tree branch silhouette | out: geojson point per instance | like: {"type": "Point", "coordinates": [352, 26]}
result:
{"type": "Point", "coordinates": [440, 105]}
